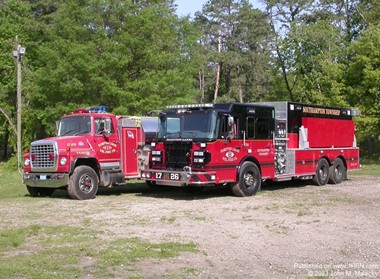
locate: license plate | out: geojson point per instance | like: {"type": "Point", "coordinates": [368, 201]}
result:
{"type": "Point", "coordinates": [168, 176]}
{"type": "Point", "coordinates": [43, 177]}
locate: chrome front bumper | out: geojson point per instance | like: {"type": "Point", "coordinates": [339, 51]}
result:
{"type": "Point", "coordinates": [46, 180]}
{"type": "Point", "coordinates": [179, 178]}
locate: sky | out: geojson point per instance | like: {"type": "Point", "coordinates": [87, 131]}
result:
{"type": "Point", "coordinates": [185, 7]}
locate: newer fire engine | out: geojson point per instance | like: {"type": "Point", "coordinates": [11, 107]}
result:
{"type": "Point", "coordinates": [92, 148]}
{"type": "Point", "coordinates": [242, 144]}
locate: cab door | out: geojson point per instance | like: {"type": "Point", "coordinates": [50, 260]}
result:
{"type": "Point", "coordinates": [130, 151]}
{"type": "Point", "coordinates": [107, 143]}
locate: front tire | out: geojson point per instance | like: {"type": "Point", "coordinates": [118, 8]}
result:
{"type": "Point", "coordinates": [249, 180]}
{"type": "Point", "coordinates": [83, 183]}
{"type": "Point", "coordinates": [338, 172]}
{"type": "Point", "coordinates": [193, 189]}
{"type": "Point", "coordinates": [150, 183]}
{"type": "Point", "coordinates": [321, 176]}
{"type": "Point", "coordinates": [40, 192]}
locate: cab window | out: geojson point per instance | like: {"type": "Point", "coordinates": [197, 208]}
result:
{"type": "Point", "coordinates": [100, 124]}
{"type": "Point", "coordinates": [258, 128]}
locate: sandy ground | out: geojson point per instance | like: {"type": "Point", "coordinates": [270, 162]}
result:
{"type": "Point", "coordinates": [289, 230]}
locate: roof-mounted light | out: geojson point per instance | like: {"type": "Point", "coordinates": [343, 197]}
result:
{"type": "Point", "coordinates": [96, 109]}
{"type": "Point", "coordinates": [190, 106]}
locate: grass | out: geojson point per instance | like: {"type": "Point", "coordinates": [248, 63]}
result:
{"type": "Point", "coordinates": [367, 169]}
{"type": "Point", "coordinates": [39, 251]}
{"type": "Point", "coordinates": [11, 184]}
{"type": "Point", "coordinates": [32, 248]}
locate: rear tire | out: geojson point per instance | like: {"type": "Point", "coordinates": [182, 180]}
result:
{"type": "Point", "coordinates": [338, 172]}
{"type": "Point", "coordinates": [249, 180]}
{"type": "Point", "coordinates": [83, 183]}
{"type": "Point", "coordinates": [321, 176]}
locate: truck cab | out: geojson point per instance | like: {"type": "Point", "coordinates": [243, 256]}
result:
{"type": "Point", "coordinates": [89, 150]}
{"type": "Point", "coordinates": [201, 145]}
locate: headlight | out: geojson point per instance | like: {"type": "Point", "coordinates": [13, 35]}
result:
{"type": "Point", "coordinates": [156, 152]}
{"type": "Point", "coordinates": [63, 161]}
{"type": "Point", "coordinates": [156, 159]}
{"type": "Point", "coordinates": [27, 162]}
{"type": "Point", "coordinates": [201, 157]}
{"type": "Point", "coordinates": [199, 153]}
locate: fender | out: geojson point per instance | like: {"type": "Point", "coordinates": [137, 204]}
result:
{"type": "Point", "coordinates": [93, 163]}
{"type": "Point", "coordinates": [245, 159]}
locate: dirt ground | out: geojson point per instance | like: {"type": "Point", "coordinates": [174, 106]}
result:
{"type": "Point", "coordinates": [288, 230]}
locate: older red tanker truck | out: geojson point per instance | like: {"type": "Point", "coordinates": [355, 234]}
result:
{"type": "Point", "coordinates": [241, 145]}
{"type": "Point", "coordinates": [92, 149]}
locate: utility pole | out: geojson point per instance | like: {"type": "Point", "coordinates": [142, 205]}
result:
{"type": "Point", "coordinates": [17, 54]}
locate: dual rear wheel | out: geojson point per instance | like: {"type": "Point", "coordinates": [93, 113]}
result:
{"type": "Point", "coordinates": [333, 174]}
{"type": "Point", "coordinates": [250, 177]}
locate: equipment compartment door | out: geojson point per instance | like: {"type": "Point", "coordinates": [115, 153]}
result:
{"type": "Point", "coordinates": [130, 152]}
{"type": "Point", "coordinates": [280, 139]}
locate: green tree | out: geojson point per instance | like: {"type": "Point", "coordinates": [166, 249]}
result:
{"type": "Point", "coordinates": [362, 79]}
{"type": "Point", "coordinates": [235, 39]}
{"type": "Point", "coordinates": [311, 47]}
{"type": "Point", "coordinates": [15, 18]}
{"type": "Point", "coordinates": [130, 55]}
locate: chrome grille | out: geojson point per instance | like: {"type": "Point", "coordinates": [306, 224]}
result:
{"type": "Point", "coordinates": [43, 156]}
{"type": "Point", "coordinates": [177, 154]}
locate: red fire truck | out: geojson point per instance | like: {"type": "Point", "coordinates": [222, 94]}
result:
{"type": "Point", "coordinates": [92, 148]}
{"type": "Point", "coordinates": [243, 144]}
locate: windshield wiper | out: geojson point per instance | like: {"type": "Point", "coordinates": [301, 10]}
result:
{"type": "Point", "coordinates": [164, 135]}
{"type": "Point", "coordinates": [190, 133]}
{"type": "Point", "coordinates": [81, 132]}
{"type": "Point", "coordinates": [68, 132]}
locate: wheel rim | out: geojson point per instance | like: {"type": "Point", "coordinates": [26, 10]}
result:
{"type": "Point", "coordinates": [323, 172]}
{"type": "Point", "coordinates": [338, 172]}
{"type": "Point", "coordinates": [86, 183]}
{"type": "Point", "coordinates": [248, 180]}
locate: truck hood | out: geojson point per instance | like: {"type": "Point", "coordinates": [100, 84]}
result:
{"type": "Point", "coordinates": [69, 141]}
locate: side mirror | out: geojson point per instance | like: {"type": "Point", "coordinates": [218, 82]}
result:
{"type": "Point", "coordinates": [230, 122]}
{"type": "Point", "coordinates": [56, 127]}
{"type": "Point", "coordinates": [107, 127]}
{"type": "Point", "coordinates": [230, 127]}
{"type": "Point", "coordinates": [162, 116]}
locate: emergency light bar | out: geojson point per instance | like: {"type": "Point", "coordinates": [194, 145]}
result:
{"type": "Point", "coordinates": [190, 106]}
{"type": "Point", "coordinates": [98, 109]}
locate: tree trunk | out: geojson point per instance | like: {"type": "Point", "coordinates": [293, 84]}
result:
{"type": "Point", "coordinates": [5, 141]}
{"type": "Point", "coordinates": [217, 81]}
{"type": "Point", "coordinates": [202, 86]}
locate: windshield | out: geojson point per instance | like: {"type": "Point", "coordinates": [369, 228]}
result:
{"type": "Point", "coordinates": [198, 125]}
{"type": "Point", "coordinates": [75, 125]}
